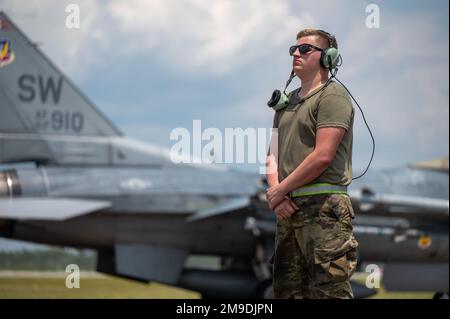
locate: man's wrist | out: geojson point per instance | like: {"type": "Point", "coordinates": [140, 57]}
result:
{"type": "Point", "coordinates": [272, 184]}
{"type": "Point", "coordinates": [283, 189]}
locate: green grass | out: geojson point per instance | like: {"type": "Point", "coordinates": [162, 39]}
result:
{"type": "Point", "coordinates": [383, 294]}
{"type": "Point", "coordinates": [49, 285]}
{"type": "Point", "coordinates": [90, 287]}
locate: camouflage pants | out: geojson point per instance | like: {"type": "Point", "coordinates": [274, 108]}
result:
{"type": "Point", "coordinates": [315, 251]}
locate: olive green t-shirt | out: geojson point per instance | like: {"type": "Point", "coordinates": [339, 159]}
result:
{"type": "Point", "coordinates": [297, 126]}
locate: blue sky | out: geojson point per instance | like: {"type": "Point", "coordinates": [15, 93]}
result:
{"type": "Point", "coordinates": [152, 66]}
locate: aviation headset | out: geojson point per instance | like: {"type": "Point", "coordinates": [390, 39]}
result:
{"type": "Point", "coordinates": [329, 59]}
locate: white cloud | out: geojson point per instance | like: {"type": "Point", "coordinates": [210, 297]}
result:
{"type": "Point", "coordinates": [215, 36]}
{"type": "Point", "coordinates": [399, 74]}
{"type": "Point", "coordinates": [189, 36]}
{"type": "Point", "coordinates": [400, 43]}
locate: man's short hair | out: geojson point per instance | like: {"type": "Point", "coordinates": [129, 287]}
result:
{"type": "Point", "coordinates": [321, 34]}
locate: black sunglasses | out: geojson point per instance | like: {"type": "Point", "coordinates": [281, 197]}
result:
{"type": "Point", "coordinates": [303, 48]}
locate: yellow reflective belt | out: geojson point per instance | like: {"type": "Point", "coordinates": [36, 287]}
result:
{"type": "Point", "coordinates": [317, 189]}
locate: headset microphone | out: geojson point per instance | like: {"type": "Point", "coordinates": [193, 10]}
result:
{"type": "Point", "coordinates": [279, 100]}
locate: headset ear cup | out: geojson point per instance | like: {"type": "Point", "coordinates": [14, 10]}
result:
{"type": "Point", "coordinates": [330, 58]}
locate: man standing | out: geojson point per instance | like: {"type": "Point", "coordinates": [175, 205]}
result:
{"type": "Point", "coordinates": [315, 251]}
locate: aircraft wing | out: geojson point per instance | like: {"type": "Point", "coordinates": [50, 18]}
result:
{"type": "Point", "coordinates": [56, 209]}
{"type": "Point", "coordinates": [367, 201]}
{"type": "Point", "coordinates": [226, 207]}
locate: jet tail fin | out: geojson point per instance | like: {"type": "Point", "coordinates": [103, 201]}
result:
{"type": "Point", "coordinates": [38, 100]}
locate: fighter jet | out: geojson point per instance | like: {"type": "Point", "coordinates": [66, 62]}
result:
{"type": "Point", "coordinates": [85, 185]}
{"type": "Point", "coordinates": [402, 222]}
